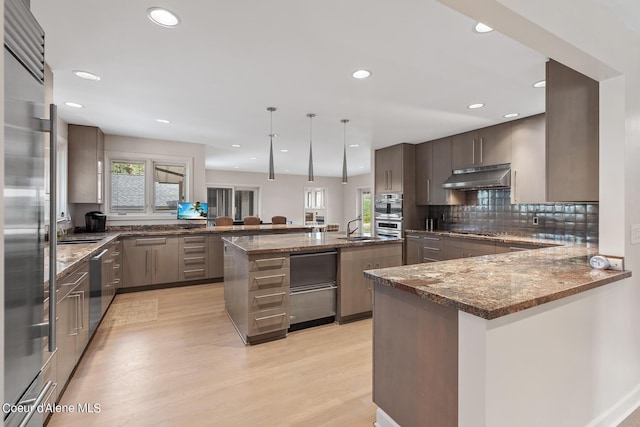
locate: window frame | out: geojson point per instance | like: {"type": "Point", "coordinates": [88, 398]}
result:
{"type": "Point", "coordinates": [150, 160]}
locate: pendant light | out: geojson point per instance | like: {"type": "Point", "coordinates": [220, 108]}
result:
{"type": "Point", "coordinates": [310, 177]}
{"type": "Point", "coordinates": [345, 180]}
{"type": "Point", "coordinates": [272, 174]}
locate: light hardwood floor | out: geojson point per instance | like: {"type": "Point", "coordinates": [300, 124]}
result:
{"type": "Point", "coordinates": [190, 368]}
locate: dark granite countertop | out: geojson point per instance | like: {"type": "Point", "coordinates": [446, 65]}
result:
{"type": "Point", "coordinates": [492, 286]}
{"type": "Point", "coordinates": [295, 242]}
{"type": "Point", "coordinates": [494, 237]}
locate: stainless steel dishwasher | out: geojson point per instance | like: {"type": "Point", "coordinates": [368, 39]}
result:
{"type": "Point", "coordinates": [312, 288]}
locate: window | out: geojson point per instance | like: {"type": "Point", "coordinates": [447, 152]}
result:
{"type": "Point", "coordinates": [168, 186]}
{"type": "Point", "coordinates": [364, 209]}
{"type": "Point", "coordinates": [127, 186]}
{"type": "Point", "coordinates": [236, 202]}
{"type": "Point", "coordinates": [315, 208]}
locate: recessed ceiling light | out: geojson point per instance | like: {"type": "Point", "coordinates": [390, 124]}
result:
{"type": "Point", "coordinates": [165, 121]}
{"type": "Point", "coordinates": [236, 167]}
{"type": "Point", "coordinates": [235, 145]}
{"type": "Point", "coordinates": [482, 28]}
{"type": "Point", "coordinates": [361, 167]}
{"type": "Point", "coordinates": [541, 83]}
{"type": "Point", "coordinates": [73, 104]}
{"type": "Point", "coordinates": [284, 150]}
{"type": "Point", "coordinates": [510, 115]}
{"type": "Point", "coordinates": [354, 145]}
{"type": "Point", "coordinates": [474, 106]}
{"type": "Point", "coordinates": [163, 17]}
{"type": "Point", "coordinates": [86, 75]}
{"type": "Point", "coordinates": [361, 74]}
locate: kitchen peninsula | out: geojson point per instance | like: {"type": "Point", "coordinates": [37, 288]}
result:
{"type": "Point", "coordinates": [492, 340]}
{"type": "Point", "coordinates": [272, 282]}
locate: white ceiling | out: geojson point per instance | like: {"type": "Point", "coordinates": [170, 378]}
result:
{"type": "Point", "coordinates": [216, 73]}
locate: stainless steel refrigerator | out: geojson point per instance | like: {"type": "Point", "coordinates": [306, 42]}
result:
{"type": "Point", "coordinates": [25, 329]}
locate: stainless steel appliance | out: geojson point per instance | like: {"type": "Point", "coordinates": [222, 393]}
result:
{"type": "Point", "coordinates": [482, 177]}
{"type": "Point", "coordinates": [95, 222]}
{"type": "Point", "coordinates": [25, 329]}
{"type": "Point", "coordinates": [388, 215]}
{"type": "Point", "coordinates": [312, 287]}
{"type": "Point", "coordinates": [99, 266]}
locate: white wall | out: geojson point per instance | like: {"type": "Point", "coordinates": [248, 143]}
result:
{"type": "Point", "coordinates": [587, 36]}
{"type": "Point", "coordinates": [285, 195]}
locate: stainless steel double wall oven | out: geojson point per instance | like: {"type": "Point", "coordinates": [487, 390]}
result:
{"type": "Point", "coordinates": [388, 215]}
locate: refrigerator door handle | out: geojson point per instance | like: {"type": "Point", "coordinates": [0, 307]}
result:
{"type": "Point", "coordinates": [51, 126]}
{"type": "Point", "coordinates": [37, 401]}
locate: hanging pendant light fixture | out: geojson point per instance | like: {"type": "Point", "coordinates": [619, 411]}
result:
{"type": "Point", "coordinates": [310, 177]}
{"type": "Point", "coordinates": [272, 174]}
{"type": "Point", "coordinates": [345, 179]}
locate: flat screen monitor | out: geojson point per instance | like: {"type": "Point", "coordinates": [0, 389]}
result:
{"type": "Point", "coordinates": [189, 210]}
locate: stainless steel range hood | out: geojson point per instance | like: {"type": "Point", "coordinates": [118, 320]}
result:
{"type": "Point", "coordinates": [483, 177]}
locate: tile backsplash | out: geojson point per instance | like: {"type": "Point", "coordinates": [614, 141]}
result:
{"type": "Point", "coordinates": [491, 210]}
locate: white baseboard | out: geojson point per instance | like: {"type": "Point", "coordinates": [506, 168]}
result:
{"type": "Point", "coordinates": [384, 420]}
{"type": "Point", "coordinates": [620, 411]}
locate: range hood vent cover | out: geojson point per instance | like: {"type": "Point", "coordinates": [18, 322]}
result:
{"type": "Point", "coordinates": [484, 177]}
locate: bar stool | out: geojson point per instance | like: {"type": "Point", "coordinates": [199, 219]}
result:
{"type": "Point", "coordinates": [251, 220]}
{"type": "Point", "coordinates": [278, 220]}
{"type": "Point", "coordinates": [224, 221]}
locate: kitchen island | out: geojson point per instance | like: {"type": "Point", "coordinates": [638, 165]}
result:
{"type": "Point", "coordinates": [259, 270]}
{"type": "Point", "coordinates": [497, 340]}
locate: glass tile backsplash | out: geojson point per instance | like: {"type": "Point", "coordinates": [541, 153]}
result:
{"type": "Point", "coordinates": [491, 210]}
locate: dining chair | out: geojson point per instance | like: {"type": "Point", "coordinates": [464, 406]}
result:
{"type": "Point", "coordinates": [224, 220]}
{"type": "Point", "coordinates": [251, 220]}
{"type": "Point", "coordinates": [278, 219]}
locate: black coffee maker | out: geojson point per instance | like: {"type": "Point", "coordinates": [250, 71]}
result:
{"type": "Point", "coordinates": [95, 221]}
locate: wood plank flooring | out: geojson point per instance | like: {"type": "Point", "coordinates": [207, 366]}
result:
{"type": "Point", "coordinates": [190, 368]}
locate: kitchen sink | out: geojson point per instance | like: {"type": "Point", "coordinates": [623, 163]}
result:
{"type": "Point", "coordinates": [77, 241]}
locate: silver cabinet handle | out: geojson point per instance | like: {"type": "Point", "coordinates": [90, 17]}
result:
{"type": "Point", "coordinates": [515, 185]}
{"type": "Point", "coordinates": [37, 401]}
{"type": "Point", "coordinates": [431, 238]}
{"type": "Point", "coordinates": [481, 141]}
{"type": "Point", "coordinates": [431, 249]}
{"type": "Point", "coordinates": [429, 190]}
{"type": "Point", "coordinates": [146, 262]}
{"type": "Point", "coordinates": [273, 316]}
{"type": "Point", "coordinates": [279, 294]}
{"type": "Point", "coordinates": [104, 251]}
{"type": "Point", "coordinates": [155, 266]}
{"type": "Point", "coordinates": [77, 282]}
{"type": "Point", "coordinates": [75, 330]}
{"type": "Point", "coordinates": [390, 180]}
{"type": "Point", "coordinates": [473, 152]}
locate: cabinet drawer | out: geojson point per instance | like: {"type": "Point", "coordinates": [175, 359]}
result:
{"type": "Point", "coordinates": [188, 240]}
{"type": "Point", "coordinates": [432, 241]}
{"type": "Point", "coordinates": [464, 248]}
{"type": "Point", "coordinates": [268, 279]}
{"type": "Point", "coordinates": [258, 263]}
{"type": "Point", "coordinates": [268, 299]}
{"type": "Point", "coordinates": [268, 321]}
{"type": "Point", "coordinates": [194, 249]}
{"type": "Point", "coordinates": [151, 241]}
{"type": "Point", "coordinates": [193, 273]}
{"type": "Point", "coordinates": [194, 260]}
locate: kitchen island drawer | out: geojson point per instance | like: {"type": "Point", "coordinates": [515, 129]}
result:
{"type": "Point", "coordinates": [268, 279]}
{"type": "Point", "coordinates": [267, 299]}
{"type": "Point", "coordinates": [269, 262]}
{"type": "Point", "coordinates": [266, 321]}
{"type": "Point", "coordinates": [191, 240]}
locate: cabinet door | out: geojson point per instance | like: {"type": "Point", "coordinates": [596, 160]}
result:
{"type": "Point", "coordinates": [441, 161]}
{"type": "Point", "coordinates": [423, 173]}
{"type": "Point", "coordinates": [137, 265]}
{"type": "Point", "coordinates": [165, 264]}
{"type": "Point", "coordinates": [65, 336]}
{"type": "Point", "coordinates": [86, 164]}
{"type": "Point", "coordinates": [414, 249]}
{"type": "Point", "coordinates": [381, 172]}
{"type": "Point", "coordinates": [388, 174]}
{"type": "Point", "coordinates": [354, 289]}
{"type": "Point", "coordinates": [494, 145]}
{"type": "Point", "coordinates": [463, 150]}
{"type": "Point", "coordinates": [528, 180]}
{"type": "Point", "coordinates": [82, 300]}
{"type": "Point", "coordinates": [216, 256]}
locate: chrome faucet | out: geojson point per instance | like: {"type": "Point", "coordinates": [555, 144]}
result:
{"type": "Point", "coordinates": [350, 232]}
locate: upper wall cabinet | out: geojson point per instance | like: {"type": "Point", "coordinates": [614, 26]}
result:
{"type": "Point", "coordinates": [433, 167]}
{"type": "Point", "coordinates": [482, 147]}
{"type": "Point", "coordinates": [527, 160]}
{"type": "Point", "coordinates": [393, 165]}
{"type": "Point", "coordinates": [86, 164]}
{"type": "Point", "coordinates": [572, 109]}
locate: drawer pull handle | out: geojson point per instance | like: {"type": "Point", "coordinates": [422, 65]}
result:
{"type": "Point", "coordinates": [431, 249]}
{"type": "Point", "coordinates": [279, 294]}
{"type": "Point", "coordinates": [270, 262]}
{"type": "Point", "coordinates": [431, 238]}
{"type": "Point", "coordinates": [270, 280]}
{"type": "Point", "coordinates": [82, 276]}
{"type": "Point", "coordinates": [273, 316]}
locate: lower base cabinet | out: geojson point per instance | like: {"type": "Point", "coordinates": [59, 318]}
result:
{"type": "Point", "coordinates": [355, 298]}
{"type": "Point", "coordinates": [150, 261]}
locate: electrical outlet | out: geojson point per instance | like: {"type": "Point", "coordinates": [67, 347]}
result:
{"type": "Point", "coordinates": [535, 220]}
{"type": "Point", "coordinates": [616, 263]}
{"type": "Point", "coordinates": [635, 234]}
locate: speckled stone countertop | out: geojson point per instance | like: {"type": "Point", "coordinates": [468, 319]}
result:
{"type": "Point", "coordinates": [261, 244]}
{"type": "Point", "coordinates": [492, 286]}
{"type": "Point", "coordinates": [494, 237]}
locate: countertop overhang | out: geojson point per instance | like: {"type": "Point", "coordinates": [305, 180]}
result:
{"type": "Point", "coordinates": [296, 242]}
{"type": "Point", "coordinates": [493, 286]}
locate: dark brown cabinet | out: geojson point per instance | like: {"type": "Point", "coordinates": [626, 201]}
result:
{"type": "Point", "coordinates": [528, 180]}
{"type": "Point", "coordinates": [572, 126]}
{"type": "Point", "coordinates": [482, 147]}
{"type": "Point", "coordinates": [390, 167]}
